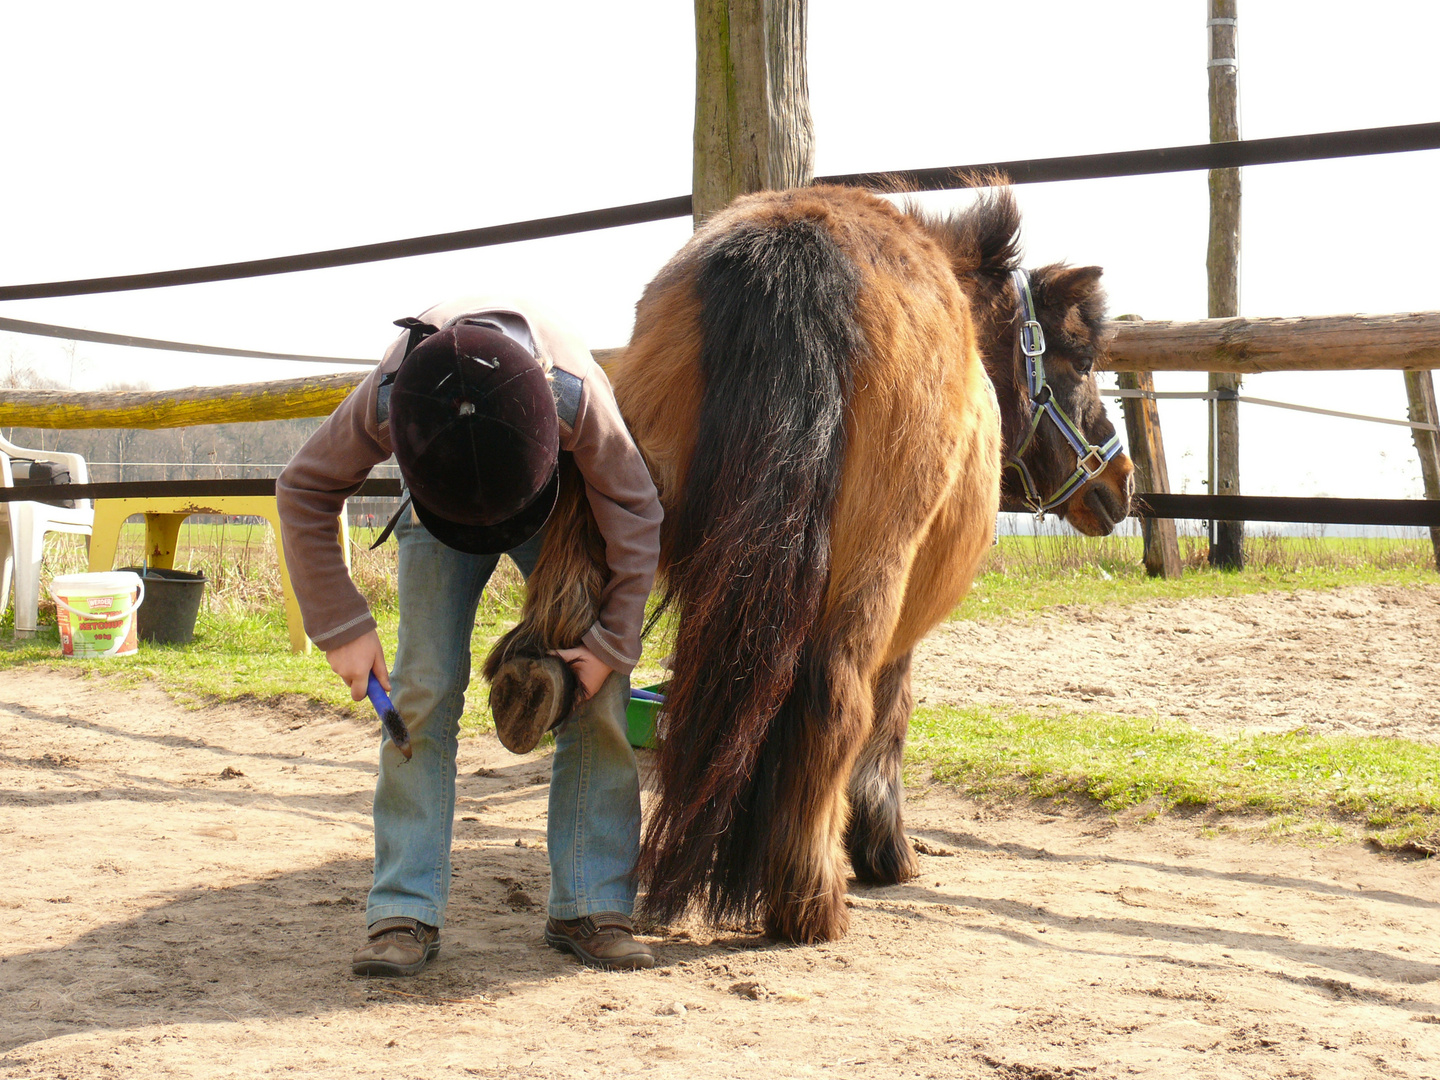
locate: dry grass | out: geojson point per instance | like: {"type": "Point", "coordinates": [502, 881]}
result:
{"type": "Point", "coordinates": [243, 575]}
{"type": "Point", "coordinates": [1057, 549]}
{"type": "Point", "coordinates": [242, 572]}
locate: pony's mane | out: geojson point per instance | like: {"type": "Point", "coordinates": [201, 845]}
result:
{"type": "Point", "coordinates": [982, 239]}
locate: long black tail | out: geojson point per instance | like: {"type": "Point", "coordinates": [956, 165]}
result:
{"type": "Point", "coordinates": [749, 551]}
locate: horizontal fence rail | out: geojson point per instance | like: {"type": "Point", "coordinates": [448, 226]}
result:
{"type": "Point", "coordinates": [1420, 512]}
{"type": "Point", "coordinates": [1397, 512]}
{"type": "Point", "coordinates": [152, 410]}
{"type": "Point", "coordinates": [377, 488]}
{"type": "Point", "coordinates": [1405, 341]}
{"type": "Point", "coordinates": [1201, 156]}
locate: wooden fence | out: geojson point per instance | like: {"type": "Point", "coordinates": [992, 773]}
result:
{"type": "Point", "coordinates": [1401, 342]}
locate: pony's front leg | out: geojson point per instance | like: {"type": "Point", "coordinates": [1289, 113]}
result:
{"type": "Point", "coordinates": [880, 854]}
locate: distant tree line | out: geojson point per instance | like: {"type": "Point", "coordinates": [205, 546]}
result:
{"type": "Point", "coordinates": [212, 451]}
{"type": "Point", "coordinates": [204, 452]}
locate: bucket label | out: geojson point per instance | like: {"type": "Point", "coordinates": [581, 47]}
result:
{"type": "Point", "coordinates": [96, 619]}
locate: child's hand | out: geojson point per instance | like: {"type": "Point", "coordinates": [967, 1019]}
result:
{"type": "Point", "coordinates": [590, 671]}
{"type": "Point", "coordinates": [354, 661]}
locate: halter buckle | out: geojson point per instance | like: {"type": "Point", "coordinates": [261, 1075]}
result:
{"type": "Point", "coordinates": [1093, 463]}
{"type": "Point", "coordinates": [1032, 338]}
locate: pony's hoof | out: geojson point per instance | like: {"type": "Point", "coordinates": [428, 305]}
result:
{"type": "Point", "coordinates": [892, 864]}
{"type": "Point", "coordinates": [826, 917]}
{"type": "Point", "coordinates": [528, 697]}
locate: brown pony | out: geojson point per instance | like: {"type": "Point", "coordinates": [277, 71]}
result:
{"type": "Point", "coordinates": [808, 383]}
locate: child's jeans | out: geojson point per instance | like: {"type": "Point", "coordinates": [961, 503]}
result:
{"type": "Point", "coordinates": [593, 828]}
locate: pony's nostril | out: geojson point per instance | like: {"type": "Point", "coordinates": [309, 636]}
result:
{"type": "Point", "coordinates": [1098, 504]}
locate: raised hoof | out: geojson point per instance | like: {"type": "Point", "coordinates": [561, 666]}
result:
{"type": "Point", "coordinates": [528, 697]}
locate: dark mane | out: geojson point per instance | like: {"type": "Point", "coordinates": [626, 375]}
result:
{"type": "Point", "coordinates": [981, 240]}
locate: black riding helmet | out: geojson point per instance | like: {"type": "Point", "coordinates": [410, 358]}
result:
{"type": "Point", "coordinates": [477, 438]}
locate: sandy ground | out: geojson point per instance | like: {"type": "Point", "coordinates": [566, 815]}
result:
{"type": "Point", "coordinates": [183, 889]}
{"type": "Point", "coordinates": [1363, 661]}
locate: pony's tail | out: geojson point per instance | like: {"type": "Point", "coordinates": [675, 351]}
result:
{"type": "Point", "coordinates": [563, 593]}
{"type": "Point", "coordinates": [748, 551]}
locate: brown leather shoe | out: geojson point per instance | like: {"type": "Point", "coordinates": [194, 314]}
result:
{"type": "Point", "coordinates": [606, 940]}
{"type": "Point", "coordinates": [397, 946]}
{"type": "Point", "coordinates": [528, 697]}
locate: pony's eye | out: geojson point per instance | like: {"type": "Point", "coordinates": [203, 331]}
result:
{"type": "Point", "coordinates": [1083, 362]}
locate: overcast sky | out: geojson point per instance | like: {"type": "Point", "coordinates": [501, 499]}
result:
{"type": "Point", "coordinates": [151, 136]}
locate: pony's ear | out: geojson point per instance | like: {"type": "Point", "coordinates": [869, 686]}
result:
{"type": "Point", "coordinates": [1074, 285]}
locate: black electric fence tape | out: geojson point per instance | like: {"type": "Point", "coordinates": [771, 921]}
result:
{"type": "Point", "coordinates": [1222, 155]}
{"type": "Point", "coordinates": [179, 489]}
{"type": "Point", "coordinates": [1420, 512]}
{"type": "Point", "coordinates": [1225, 155]}
{"type": "Point", "coordinates": [74, 333]}
{"type": "Point", "coordinates": [1276, 508]}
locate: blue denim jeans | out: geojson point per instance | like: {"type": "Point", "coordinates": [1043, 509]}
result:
{"type": "Point", "coordinates": [593, 827]}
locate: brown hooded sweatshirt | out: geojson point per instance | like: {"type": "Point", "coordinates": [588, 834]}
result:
{"type": "Point", "coordinates": [337, 458]}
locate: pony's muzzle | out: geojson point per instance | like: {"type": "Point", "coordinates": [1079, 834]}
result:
{"type": "Point", "coordinates": [1104, 501]}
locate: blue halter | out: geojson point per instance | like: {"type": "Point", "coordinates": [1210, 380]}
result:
{"type": "Point", "coordinates": [1090, 460]}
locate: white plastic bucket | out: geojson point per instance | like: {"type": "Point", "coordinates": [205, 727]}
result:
{"type": "Point", "coordinates": [96, 612]}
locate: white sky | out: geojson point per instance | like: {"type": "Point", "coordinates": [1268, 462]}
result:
{"type": "Point", "coordinates": [152, 136]}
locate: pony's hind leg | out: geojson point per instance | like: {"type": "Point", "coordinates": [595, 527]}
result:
{"type": "Point", "coordinates": [829, 725]}
{"type": "Point", "coordinates": [804, 874]}
{"type": "Point", "coordinates": [880, 854]}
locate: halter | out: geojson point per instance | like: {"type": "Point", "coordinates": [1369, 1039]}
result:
{"type": "Point", "coordinates": [1090, 460]}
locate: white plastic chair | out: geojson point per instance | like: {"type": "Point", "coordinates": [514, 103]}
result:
{"type": "Point", "coordinates": [22, 544]}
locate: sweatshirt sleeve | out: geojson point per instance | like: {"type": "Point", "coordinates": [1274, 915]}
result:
{"type": "Point", "coordinates": [311, 493]}
{"type": "Point", "coordinates": [627, 510]}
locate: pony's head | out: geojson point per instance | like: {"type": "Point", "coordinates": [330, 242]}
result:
{"type": "Point", "coordinates": [1078, 474]}
{"type": "Point", "coordinates": [1062, 452]}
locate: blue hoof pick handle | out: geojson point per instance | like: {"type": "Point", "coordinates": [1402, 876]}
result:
{"type": "Point", "coordinates": [389, 716]}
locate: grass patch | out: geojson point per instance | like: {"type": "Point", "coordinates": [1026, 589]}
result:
{"type": "Point", "coordinates": [242, 646]}
{"type": "Point", "coordinates": [241, 649]}
{"type": "Point", "coordinates": [1311, 784]}
{"type": "Point", "coordinates": [1027, 574]}
{"type": "Point", "coordinates": [242, 656]}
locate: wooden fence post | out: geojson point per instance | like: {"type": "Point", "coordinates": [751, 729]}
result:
{"type": "Point", "coordinates": [752, 100]}
{"type": "Point", "coordinates": [1147, 454]}
{"type": "Point", "coordinates": [1420, 389]}
{"type": "Point", "coordinates": [1222, 265]}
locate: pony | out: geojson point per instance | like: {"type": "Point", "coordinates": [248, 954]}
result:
{"type": "Point", "coordinates": [834, 395]}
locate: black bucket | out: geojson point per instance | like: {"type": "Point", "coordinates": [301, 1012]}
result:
{"type": "Point", "coordinates": [172, 601]}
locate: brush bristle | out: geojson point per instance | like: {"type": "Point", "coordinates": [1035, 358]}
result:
{"type": "Point", "coordinates": [399, 734]}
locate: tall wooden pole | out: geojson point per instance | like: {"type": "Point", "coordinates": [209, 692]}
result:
{"type": "Point", "coordinates": [1420, 389]}
{"type": "Point", "coordinates": [1147, 454]}
{"type": "Point", "coordinates": [752, 100]}
{"type": "Point", "coordinates": [1222, 265]}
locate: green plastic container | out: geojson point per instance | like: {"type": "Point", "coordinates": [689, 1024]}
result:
{"type": "Point", "coordinates": [640, 717]}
